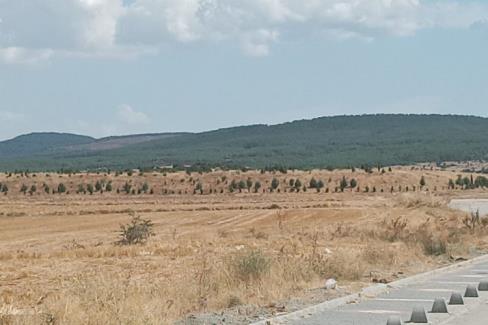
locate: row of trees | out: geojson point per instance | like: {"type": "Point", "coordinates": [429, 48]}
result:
{"type": "Point", "coordinates": [291, 185]}
{"type": "Point", "coordinates": [468, 182]}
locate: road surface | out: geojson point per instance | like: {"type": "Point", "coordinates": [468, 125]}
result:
{"type": "Point", "coordinates": [378, 303]}
{"type": "Point", "coordinates": [471, 205]}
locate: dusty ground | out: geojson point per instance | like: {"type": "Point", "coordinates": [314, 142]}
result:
{"type": "Point", "coordinates": [59, 264]}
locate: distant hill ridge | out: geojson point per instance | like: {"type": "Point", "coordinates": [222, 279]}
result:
{"type": "Point", "coordinates": [42, 143]}
{"type": "Point", "coordinates": [337, 141]}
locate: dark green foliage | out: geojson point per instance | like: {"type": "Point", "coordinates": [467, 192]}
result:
{"type": "Point", "coordinates": [98, 186]}
{"type": "Point", "coordinates": [242, 185]}
{"type": "Point", "coordinates": [369, 140]}
{"type": "Point", "coordinates": [40, 143]}
{"type": "Point", "coordinates": [145, 187]}
{"type": "Point", "coordinates": [343, 184]}
{"type": "Point", "coordinates": [136, 232]}
{"type": "Point", "coordinates": [81, 189]}
{"type": "Point", "coordinates": [298, 185]}
{"type": "Point", "coordinates": [320, 185]}
{"type": "Point", "coordinates": [249, 184]}
{"type": "Point", "coordinates": [275, 183]}
{"type": "Point", "coordinates": [353, 183]}
{"type": "Point", "coordinates": [313, 183]}
{"type": "Point", "coordinates": [422, 181]}
{"type": "Point", "coordinates": [61, 188]}
{"type": "Point", "coordinates": [257, 186]}
{"type": "Point", "coordinates": [127, 187]}
{"type": "Point", "coordinates": [481, 181]}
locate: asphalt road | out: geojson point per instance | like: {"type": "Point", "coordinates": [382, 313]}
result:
{"type": "Point", "coordinates": [478, 316]}
{"type": "Point", "coordinates": [399, 299]}
{"type": "Point", "coordinates": [471, 205]}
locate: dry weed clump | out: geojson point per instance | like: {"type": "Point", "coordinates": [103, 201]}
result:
{"type": "Point", "coordinates": [434, 236]}
{"type": "Point", "coordinates": [136, 232]}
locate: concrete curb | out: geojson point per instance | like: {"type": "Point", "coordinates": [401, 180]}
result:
{"type": "Point", "coordinates": [367, 293]}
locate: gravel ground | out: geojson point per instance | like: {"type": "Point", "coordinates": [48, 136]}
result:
{"type": "Point", "coordinates": [250, 313]}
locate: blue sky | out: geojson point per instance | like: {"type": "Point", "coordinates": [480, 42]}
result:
{"type": "Point", "coordinates": [104, 67]}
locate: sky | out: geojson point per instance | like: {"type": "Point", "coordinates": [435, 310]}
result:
{"type": "Point", "coordinates": [112, 67]}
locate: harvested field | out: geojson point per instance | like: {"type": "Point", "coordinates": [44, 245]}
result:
{"type": "Point", "coordinates": [221, 255]}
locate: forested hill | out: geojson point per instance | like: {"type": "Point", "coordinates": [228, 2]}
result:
{"type": "Point", "coordinates": [322, 142]}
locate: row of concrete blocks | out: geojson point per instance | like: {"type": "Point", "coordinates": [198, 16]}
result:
{"type": "Point", "coordinates": [419, 316]}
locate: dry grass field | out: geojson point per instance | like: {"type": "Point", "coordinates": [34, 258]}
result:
{"type": "Point", "coordinates": [218, 254]}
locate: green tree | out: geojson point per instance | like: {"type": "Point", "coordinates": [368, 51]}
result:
{"type": "Point", "coordinates": [313, 183]}
{"type": "Point", "coordinates": [257, 186]}
{"type": "Point", "coordinates": [81, 189]}
{"type": "Point", "coordinates": [90, 189]}
{"type": "Point", "coordinates": [242, 185]}
{"type": "Point", "coordinates": [61, 188]}
{"type": "Point", "coordinates": [249, 184]}
{"type": "Point", "coordinates": [320, 185]}
{"type": "Point", "coordinates": [343, 183]}
{"type": "Point", "coordinates": [422, 181]}
{"type": "Point", "coordinates": [459, 181]}
{"type": "Point", "coordinates": [275, 183]}
{"type": "Point", "coordinates": [145, 187]}
{"type": "Point", "coordinates": [353, 183]}
{"type": "Point", "coordinates": [298, 185]}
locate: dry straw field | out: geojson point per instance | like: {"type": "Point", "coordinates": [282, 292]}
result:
{"type": "Point", "coordinates": [218, 253]}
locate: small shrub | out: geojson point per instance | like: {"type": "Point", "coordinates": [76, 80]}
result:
{"type": "Point", "coordinates": [395, 229]}
{"type": "Point", "coordinates": [432, 244]}
{"type": "Point", "coordinates": [136, 232]}
{"type": "Point", "coordinates": [472, 221]}
{"type": "Point", "coordinates": [234, 301]}
{"type": "Point", "coordinates": [251, 266]}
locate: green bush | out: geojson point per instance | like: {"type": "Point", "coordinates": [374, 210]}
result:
{"type": "Point", "coordinates": [252, 266]}
{"type": "Point", "coordinates": [136, 232]}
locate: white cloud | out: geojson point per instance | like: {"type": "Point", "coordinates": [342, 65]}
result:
{"type": "Point", "coordinates": [23, 55]}
{"type": "Point", "coordinates": [257, 43]}
{"type": "Point", "coordinates": [36, 30]}
{"type": "Point", "coordinates": [130, 116]}
{"type": "Point", "coordinates": [7, 116]}
{"type": "Point", "coordinates": [126, 120]}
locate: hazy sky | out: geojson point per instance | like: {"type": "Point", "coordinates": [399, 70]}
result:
{"type": "Point", "coordinates": [101, 67]}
